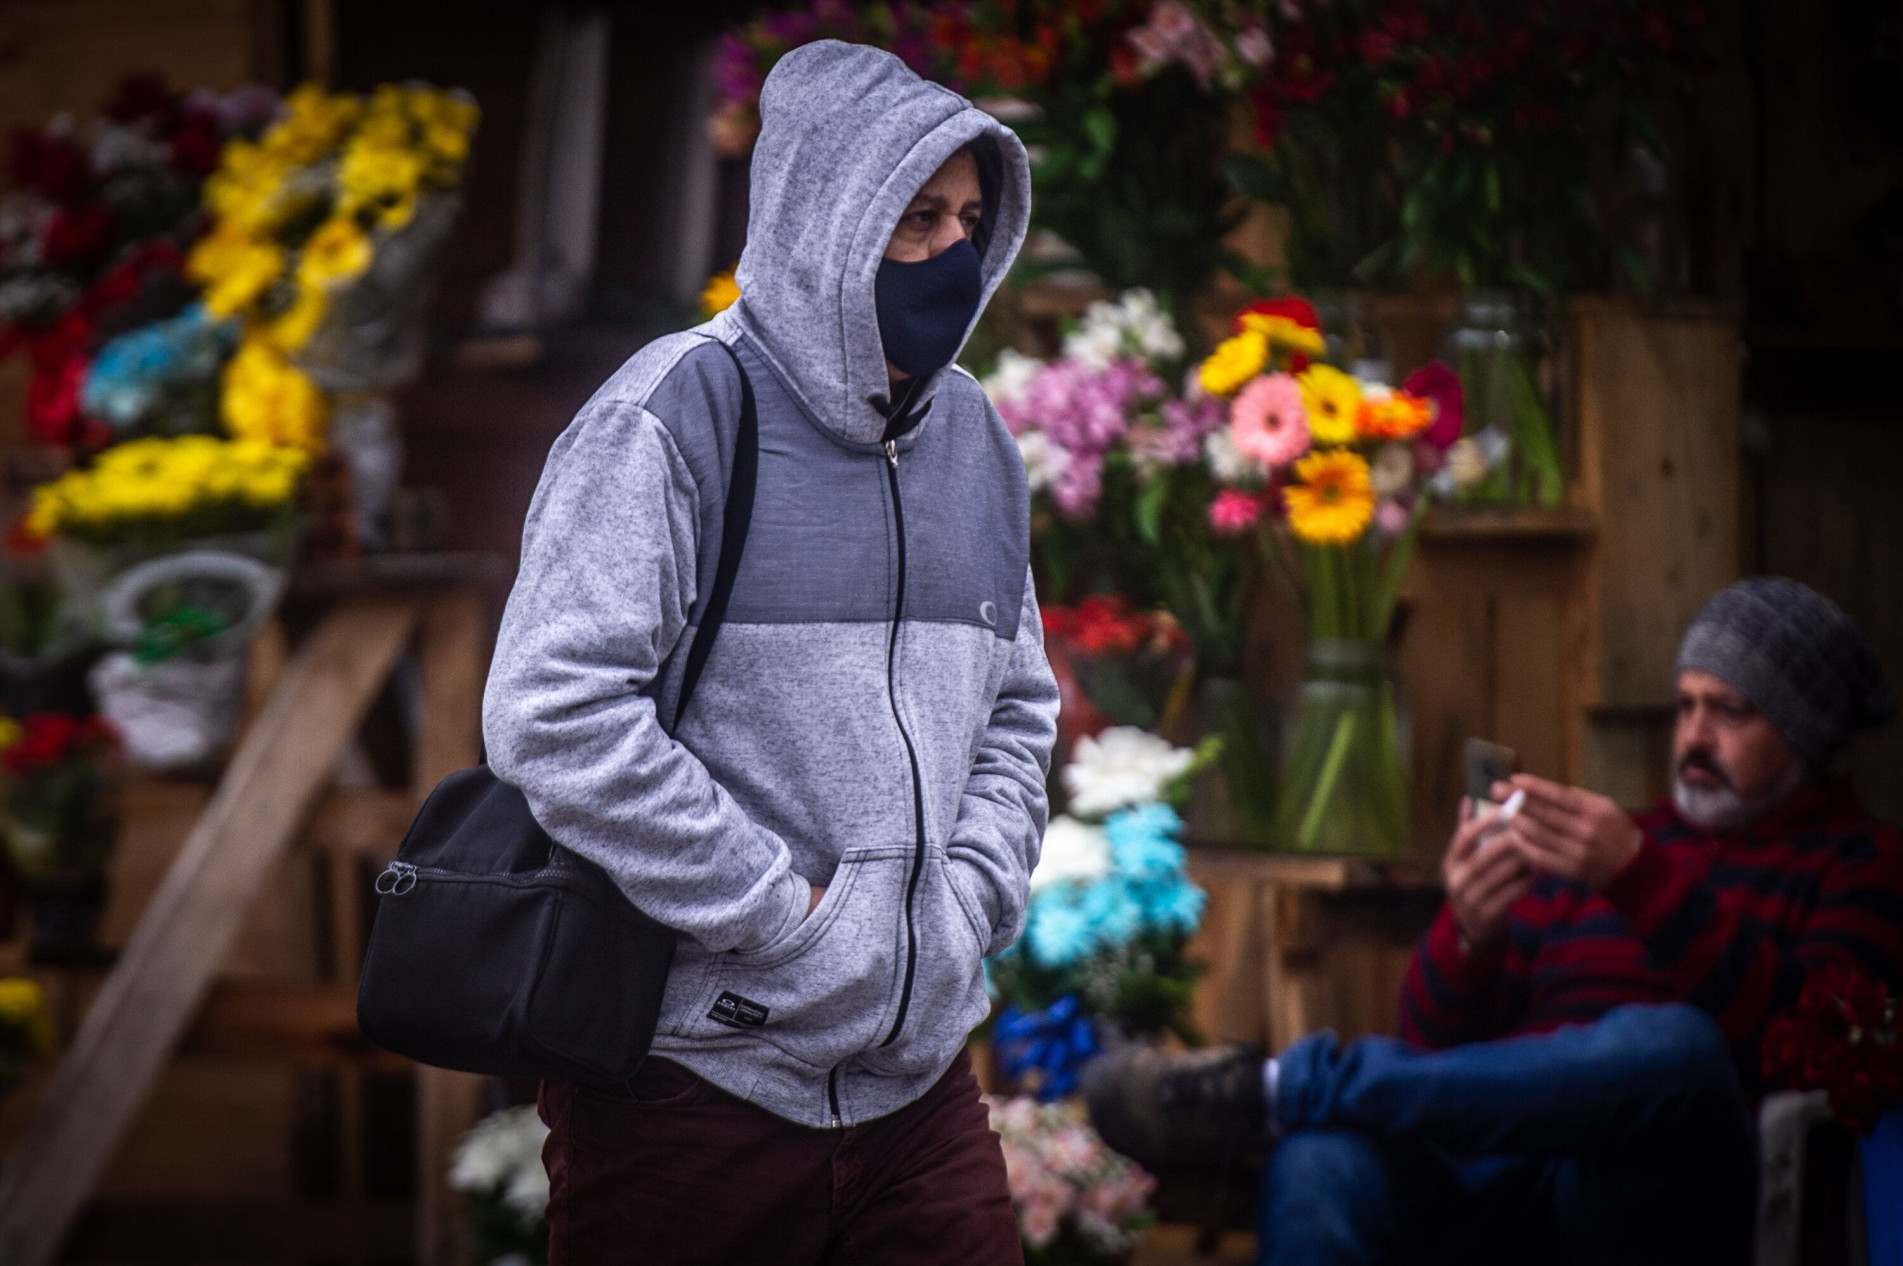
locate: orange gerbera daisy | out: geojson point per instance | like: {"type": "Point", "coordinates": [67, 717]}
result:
{"type": "Point", "coordinates": [1394, 415]}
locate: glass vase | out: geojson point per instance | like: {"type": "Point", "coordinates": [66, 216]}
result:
{"type": "Point", "coordinates": [1496, 347]}
{"type": "Point", "coordinates": [1235, 798]}
{"type": "Point", "coordinates": [1344, 787]}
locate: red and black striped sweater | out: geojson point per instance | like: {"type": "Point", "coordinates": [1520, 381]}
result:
{"type": "Point", "coordinates": [1729, 922]}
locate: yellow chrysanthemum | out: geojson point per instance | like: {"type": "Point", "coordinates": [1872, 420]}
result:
{"type": "Point", "coordinates": [1285, 333]}
{"type": "Point", "coordinates": [719, 293]}
{"type": "Point", "coordinates": [292, 328]}
{"type": "Point", "coordinates": [137, 487]}
{"type": "Point", "coordinates": [381, 178]}
{"type": "Point", "coordinates": [1234, 362]}
{"type": "Point", "coordinates": [23, 1008]}
{"type": "Point", "coordinates": [1333, 502]}
{"type": "Point", "coordinates": [234, 268]}
{"type": "Point", "coordinates": [9, 733]}
{"type": "Point", "coordinates": [337, 251]}
{"type": "Point", "coordinates": [269, 400]}
{"type": "Point", "coordinates": [1333, 401]}
{"type": "Point", "coordinates": [315, 122]}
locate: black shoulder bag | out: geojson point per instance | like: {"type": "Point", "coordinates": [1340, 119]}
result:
{"type": "Point", "coordinates": [496, 950]}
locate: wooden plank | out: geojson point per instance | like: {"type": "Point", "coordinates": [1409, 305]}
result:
{"type": "Point", "coordinates": [363, 824]}
{"type": "Point", "coordinates": [184, 934]}
{"type": "Point", "coordinates": [454, 662]}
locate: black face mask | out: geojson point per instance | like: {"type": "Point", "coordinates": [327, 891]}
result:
{"type": "Point", "coordinates": [926, 307]}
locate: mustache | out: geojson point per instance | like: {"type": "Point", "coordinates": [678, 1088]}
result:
{"type": "Point", "coordinates": [1701, 759]}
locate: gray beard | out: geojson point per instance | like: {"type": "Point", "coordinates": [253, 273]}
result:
{"type": "Point", "coordinates": [1723, 809]}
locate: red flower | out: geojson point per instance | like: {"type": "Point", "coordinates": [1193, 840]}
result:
{"type": "Point", "coordinates": [1268, 118]}
{"type": "Point", "coordinates": [1437, 383]}
{"type": "Point", "coordinates": [77, 236]}
{"type": "Point", "coordinates": [1841, 1037]}
{"type": "Point", "coordinates": [1299, 76]}
{"type": "Point", "coordinates": [1294, 307]}
{"type": "Point", "coordinates": [1376, 46]}
{"type": "Point", "coordinates": [52, 401]}
{"type": "Point", "coordinates": [196, 145]}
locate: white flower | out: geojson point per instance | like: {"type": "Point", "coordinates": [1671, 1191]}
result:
{"type": "Point", "coordinates": [1010, 376]}
{"type": "Point", "coordinates": [1044, 459]}
{"type": "Point", "coordinates": [1467, 463]}
{"type": "Point", "coordinates": [1122, 766]}
{"type": "Point", "coordinates": [1072, 850]}
{"type": "Point", "coordinates": [1392, 469]}
{"type": "Point", "coordinates": [1096, 342]}
{"type": "Point", "coordinates": [1132, 326]}
{"type": "Point", "coordinates": [503, 1156]}
{"type": "Point", "coordinates": [1229, 464]}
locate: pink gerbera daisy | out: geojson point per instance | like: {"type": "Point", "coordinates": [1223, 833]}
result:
{"type": "Point", "coordinates": [1233, 512]}
{"type": "Point", "coordinates": [1268, 421]}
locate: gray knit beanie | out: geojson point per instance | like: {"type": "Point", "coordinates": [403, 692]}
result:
{"type": "Point", "coordinates": [1797, 657]}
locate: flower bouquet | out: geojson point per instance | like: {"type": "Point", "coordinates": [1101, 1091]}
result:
{"type": "Point", "coordinates": [1111, 911]}
{"type": "Point", "coordinates": [1842, 1037]}
{"type": "Point", "coordinates": [498, 1168]}
{"type": "Point", "coordinates": [1077, 1202]}
{"type": "Point", "coordinates": [1333, 475]}
{"type": "Point", "coordinates": [1114, 665]}
{"type": "Point", "coordinates": [61, 778]}
{"type": "Point", "coordinates": [96, 224]}
{"type": "Point", "coordinates": [326, 232]}
{"type": "Point", "coordinates": [1132, 490]}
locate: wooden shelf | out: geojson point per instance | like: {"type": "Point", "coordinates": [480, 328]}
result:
{"type": "Point", "coordinates": [1561, 525]}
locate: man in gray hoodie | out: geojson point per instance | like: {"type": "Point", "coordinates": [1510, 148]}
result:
{"type": "Point", "coordinates": [843, 824]}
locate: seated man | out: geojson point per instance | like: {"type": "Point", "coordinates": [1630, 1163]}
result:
{"type": "Point", "coordinates": [1580, 1025]}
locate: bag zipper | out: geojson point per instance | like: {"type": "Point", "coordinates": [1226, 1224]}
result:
{"type": "Point", "coordinates": [911, 753]}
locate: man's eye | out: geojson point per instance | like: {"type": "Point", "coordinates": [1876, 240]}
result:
{"type": "Point", "coordinates": [921, 220]}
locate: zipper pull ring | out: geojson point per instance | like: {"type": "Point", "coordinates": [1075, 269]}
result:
{"type": "Point", "coordinates": [397, 879]}
{"type": "Point", "coordinates": [892, 453]}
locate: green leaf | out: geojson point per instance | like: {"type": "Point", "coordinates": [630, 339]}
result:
{"type": "Point", "coordinates": [1149, 510]}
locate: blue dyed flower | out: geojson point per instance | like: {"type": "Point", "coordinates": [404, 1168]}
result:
{"type": "Point", "coordinates": [1057, 930]}
{"type": "Point", "coordinates": [1174, 904]}
{"type": "Point", "coordinates": [1046, 1048]}
{"type": "Point", "coordinates": [138, 373]}
{"type": "Point", "coordinates": [1114, 914]}
{"type": "Point", "coordinates": [1143, 844]}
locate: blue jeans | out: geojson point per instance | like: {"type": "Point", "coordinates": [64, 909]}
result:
{"type": "Point", "coordinates": [1624, 1141]}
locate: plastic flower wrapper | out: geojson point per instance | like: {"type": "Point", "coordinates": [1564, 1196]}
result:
{"type": "Point", "coordinates": [1076, 1200]}
{"type": "Point", "coordinates": [498, 1168]}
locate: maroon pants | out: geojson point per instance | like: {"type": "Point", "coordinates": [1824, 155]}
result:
{"type": "Point", "coordinates": [670, 1170]}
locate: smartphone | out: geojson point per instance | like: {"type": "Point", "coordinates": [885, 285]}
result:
{"type": "Point", "coordinates": [1487, 764]}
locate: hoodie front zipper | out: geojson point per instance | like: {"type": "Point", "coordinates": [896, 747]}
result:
{"type": "Point", "coordinates": [911, 753]}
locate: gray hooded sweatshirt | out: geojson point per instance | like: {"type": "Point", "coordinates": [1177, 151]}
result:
{"type": "Point", "coordinates": [877, 714]}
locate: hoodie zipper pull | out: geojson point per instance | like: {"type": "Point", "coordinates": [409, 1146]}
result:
{"type": "Point", "coordinates": [892, 453]}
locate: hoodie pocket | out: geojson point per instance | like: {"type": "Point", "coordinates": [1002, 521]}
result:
{"type": "Point", "coordinates": [820, 992]}
{"type": "Point", "coordinates": [948, 989]}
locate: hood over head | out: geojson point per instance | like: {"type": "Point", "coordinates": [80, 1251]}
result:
{"type": "Point", "coordinates": [849, 134]}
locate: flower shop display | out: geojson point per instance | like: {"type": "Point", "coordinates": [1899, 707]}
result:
{"type": "Point", "coordinates": [498, 1168]}
{"type": "Point", "coordinates": [1842, 1037]}
{"type": "Point", "coordinates": [1077, 1201]}
{"type": "Point", "coordinates": [1111, 909]}
{"type": "Point", "coordinates": [1116, 665]}
{"type": "Point", "coordinates": [61, 779]}
{"type": "Point", "coordinates": [1125, 105]}
{"type": "Point", "coordinates": [176, 687]}
{"type": "Point", "coordinates": [95, 224]}
{"type": "Point", "coordinates": [1334, 474]}
{"type": "Point", "coordinates": [26, 1027]}
{"type": "Point", "coordinates": [326, 232]}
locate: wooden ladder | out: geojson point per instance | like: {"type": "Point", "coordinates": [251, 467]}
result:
{"type": "Point", "coordinates": [272, 792]}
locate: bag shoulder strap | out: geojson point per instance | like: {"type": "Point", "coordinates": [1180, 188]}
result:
{"type": "Point", "coordinates": [736, 518]}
